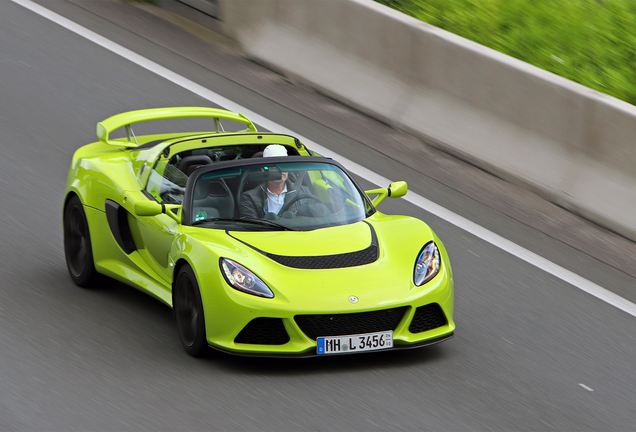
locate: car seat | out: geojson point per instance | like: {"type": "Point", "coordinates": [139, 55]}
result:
{"type": "Point", "coordinates": [188, 164]}
{"type": "Point", "coordinates": [213, 198]}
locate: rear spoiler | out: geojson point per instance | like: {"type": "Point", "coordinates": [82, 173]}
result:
{"type": "Point", "coordinates": [105, 127]}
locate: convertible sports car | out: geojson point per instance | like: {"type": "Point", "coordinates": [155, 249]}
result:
{"type": "Point", "coordinates": [186, 218]}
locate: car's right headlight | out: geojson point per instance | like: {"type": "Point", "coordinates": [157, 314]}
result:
{"type": "Point", "coordinates": [427, 264]}
{"type": "Point", "coordinates": [244, 280]}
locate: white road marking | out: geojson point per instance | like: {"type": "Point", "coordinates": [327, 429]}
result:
{"type": "Point", "coordinates": [429, 206]}
{"type": "Point", "coordinates": [586, 387]}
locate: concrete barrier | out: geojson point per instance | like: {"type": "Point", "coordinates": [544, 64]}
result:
{"type": "Point", "coordinates": [568, 142]}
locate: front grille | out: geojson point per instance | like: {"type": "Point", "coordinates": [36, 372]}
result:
{"type": "Point", "coordinates": [263, 331]}
{"type": "Point", "coordinates": [427, 318]}
{"type": "Point", "coordinates": [351, 259]}
{"type": "Point", "coordinates": [351, 323]}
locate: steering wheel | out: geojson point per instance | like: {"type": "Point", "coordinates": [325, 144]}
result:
{"type": "Point", "coordinates": [298, 197]}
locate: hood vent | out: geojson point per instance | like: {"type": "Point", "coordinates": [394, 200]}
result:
{"type": "Point", "coordinates": [367, 255]}
{"type": "Point", "coordinates": [350, 259]}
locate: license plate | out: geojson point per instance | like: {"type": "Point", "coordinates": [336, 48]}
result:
{"type": "Point", "coordinates": [355, 343]}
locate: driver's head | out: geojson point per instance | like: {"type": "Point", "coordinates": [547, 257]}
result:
{"type": "Point", "coordinates": [274, 150]}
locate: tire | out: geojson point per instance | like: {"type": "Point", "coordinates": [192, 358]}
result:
{"type": "Point", "coordinates": [188, 312]}
{"type": "Point", "coordinates": [77, 245]}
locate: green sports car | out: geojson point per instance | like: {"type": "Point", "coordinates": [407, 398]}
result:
{"type": "Point", "coordinates": [260, 245]}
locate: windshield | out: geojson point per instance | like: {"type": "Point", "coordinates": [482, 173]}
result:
{"type": "Point", "coordinates": [277, 196]}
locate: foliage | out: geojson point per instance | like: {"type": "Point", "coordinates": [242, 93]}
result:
{"type": "Point", "coordinates": [592, 42]}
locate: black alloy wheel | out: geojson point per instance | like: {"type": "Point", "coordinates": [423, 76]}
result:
{"type": "Point", "coordinates": [188, 312]}
{"type": "Point", "coordinates": [77, 244]}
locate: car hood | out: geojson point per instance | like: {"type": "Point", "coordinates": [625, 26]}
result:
{"type": "Point", "coordinates": [286, 262]}
{"type": "Point", "coordinates": [327, 241]}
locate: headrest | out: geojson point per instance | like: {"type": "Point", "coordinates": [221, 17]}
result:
{"type": "Point", "coordinates": [188, 164]}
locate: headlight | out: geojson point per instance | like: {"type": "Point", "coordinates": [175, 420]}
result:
{"type": "Point", "coordinates": [244, 280]}
{"type": "Point", "coordinates": [427, 264]}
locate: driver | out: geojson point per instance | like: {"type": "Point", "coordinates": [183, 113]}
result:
{"type": "Point", "coordinates": [269, 198]}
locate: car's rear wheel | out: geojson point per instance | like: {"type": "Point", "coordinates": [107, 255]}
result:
{"type": "Point", "coordinates": [77, 245]}
{"type": "Point", "coordinates": [188, 312]}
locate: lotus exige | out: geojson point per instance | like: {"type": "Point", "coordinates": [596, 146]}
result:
{"type": "Point", "coordinates": [191, 219]}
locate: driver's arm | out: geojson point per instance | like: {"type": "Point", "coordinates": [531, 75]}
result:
{"type": "Point", "coordinates": [248, 207]}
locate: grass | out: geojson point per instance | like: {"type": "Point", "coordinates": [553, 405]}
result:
{"type": "Point", "coordinates": [592, 42]}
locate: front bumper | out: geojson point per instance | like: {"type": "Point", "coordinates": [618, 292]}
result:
{"type": "Point", "coordinates": [281, 332]}
{"type": "Point", "coordinates": [313, 353]}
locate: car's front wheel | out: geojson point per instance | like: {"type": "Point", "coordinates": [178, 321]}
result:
{"type": "Point", "coordinates": [77, 245]}
{"type": "Point", "coordinates": [188, 312]}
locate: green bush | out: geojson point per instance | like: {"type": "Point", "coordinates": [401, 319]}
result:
{"type": "Point", "coordinates": [592, 42]}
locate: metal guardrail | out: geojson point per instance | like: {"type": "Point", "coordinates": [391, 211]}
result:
{"type": "Point", "coordinates": [570, 143]}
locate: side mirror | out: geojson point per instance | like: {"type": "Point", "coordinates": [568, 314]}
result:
{"type": "Point", "coordinates": [153, 208]}
{"type": "Point", "coordinates": [395, 190]}
{"type": "Point", "coordinates": [174, 211]}
{"type": "Point", "coordinates": [398, 189]}
{"type": "Point", "coordinates": [148, 208]}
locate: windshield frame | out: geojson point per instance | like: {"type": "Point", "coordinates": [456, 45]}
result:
{"type": "Point", "coordinates": [188, 199]}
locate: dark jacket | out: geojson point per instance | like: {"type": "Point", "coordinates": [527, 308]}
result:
{"type": "Point", "coordinates": [252, 202]}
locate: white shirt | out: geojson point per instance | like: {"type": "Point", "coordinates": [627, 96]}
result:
{"type": "Point", "coordinates": [274, 202]}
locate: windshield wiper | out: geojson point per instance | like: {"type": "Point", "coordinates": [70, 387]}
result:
{"type": "Point", "coordinates": [263, 222]}
{"type": "Point", "coordinates": [201, 221]}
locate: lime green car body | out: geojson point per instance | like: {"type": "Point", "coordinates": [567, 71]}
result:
{"type": "Point", "coordinates": [143, 240]}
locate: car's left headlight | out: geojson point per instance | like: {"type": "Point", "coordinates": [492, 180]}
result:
{"type": "Point", "coordinates": [244, 280]}
{"type": "Point", "coordinates": [427, 264]}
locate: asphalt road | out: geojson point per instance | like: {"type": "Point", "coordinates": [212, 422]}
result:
{"type": "Point", "coordinates": [531, 352]}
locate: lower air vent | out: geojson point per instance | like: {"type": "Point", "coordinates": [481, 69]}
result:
{"type": "Point", "coordinates": [352, 323]}
{"type": "Point", "coordinates": [427, 318]}
{"type": "Point", "coordinates": [263, 331]}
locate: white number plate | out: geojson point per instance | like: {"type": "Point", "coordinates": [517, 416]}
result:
{"type": "Point", "coordinates": [354, 343]}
